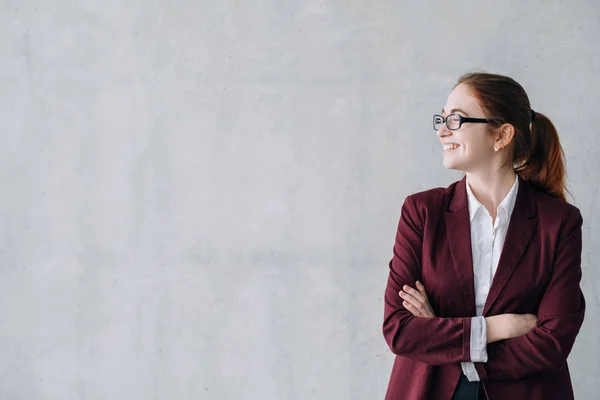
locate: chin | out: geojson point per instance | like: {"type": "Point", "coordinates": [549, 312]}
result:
{"type": "Point", "coordinates": [449, 164]}
{"type": "Point", "coordinates": [453, 165]}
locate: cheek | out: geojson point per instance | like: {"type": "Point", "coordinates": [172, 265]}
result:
{"type": "Point", "coordinates": [477, 147]}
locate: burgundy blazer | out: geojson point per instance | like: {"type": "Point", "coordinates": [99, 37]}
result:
{"type": "Point", "coordinates": [539, 272]}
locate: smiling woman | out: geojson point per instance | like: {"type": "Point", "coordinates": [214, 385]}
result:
{"type": "Point", "coordinates": [483, 297]}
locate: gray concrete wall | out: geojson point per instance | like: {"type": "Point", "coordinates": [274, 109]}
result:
{"type": "Point", "coordinates": [199, 199]}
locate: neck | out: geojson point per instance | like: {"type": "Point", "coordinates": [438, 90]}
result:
{"type": "Point", "coordinates": [491, 188]}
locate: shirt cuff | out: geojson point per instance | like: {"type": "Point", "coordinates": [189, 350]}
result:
{"type": "Point", "coordinates": [470, 372]}
{"type": "Point", "coordinates": [478, 340]}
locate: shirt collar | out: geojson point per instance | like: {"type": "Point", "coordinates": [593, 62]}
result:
{"type": "Point", "coordinates": [505, 208]}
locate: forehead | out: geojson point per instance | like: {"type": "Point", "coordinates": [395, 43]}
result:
{"type": "Point", "coordinates": [463, 97]}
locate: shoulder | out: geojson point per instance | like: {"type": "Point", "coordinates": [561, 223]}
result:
{"type": "Point", "coordinates": [429, 203]}
{"type": "Point", "coordinates": [552, 208]}
{"type": "Point", "coordinates": [556, 213]}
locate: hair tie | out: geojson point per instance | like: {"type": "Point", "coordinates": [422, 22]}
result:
{"type": "Point", "coordinates": [532, 116]}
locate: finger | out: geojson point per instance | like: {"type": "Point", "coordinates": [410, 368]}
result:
{"type": "Point", "coordinates": [422, 290]}
{"type": "Point", "coordinates": [414, 293]}
{"type": "Point", "coordinates": [411, 309]}
{"type": "Point", "coordinates": [413, 301]}
{"type": "Point", "coordinates": [426, 311]}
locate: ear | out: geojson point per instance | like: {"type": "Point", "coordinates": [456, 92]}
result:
{"type": "Point", "coordinates": [504, 135]}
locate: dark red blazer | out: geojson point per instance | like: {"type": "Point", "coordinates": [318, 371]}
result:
{"type": "Point", "coordinates": [539, 272]}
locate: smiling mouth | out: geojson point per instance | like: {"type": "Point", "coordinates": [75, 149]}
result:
{"type": "Point", "coordinates": [450, 147]}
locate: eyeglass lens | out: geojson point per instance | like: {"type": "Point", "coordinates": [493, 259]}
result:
{"type": "Point", "coordinates": [452, 122]}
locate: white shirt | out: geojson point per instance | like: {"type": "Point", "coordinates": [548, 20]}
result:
{"type": "Point", "coordinates": [486, 244]}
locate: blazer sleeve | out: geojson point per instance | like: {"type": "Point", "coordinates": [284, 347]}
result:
{"type": "Point", "coordinates": [435, 341]}
{"type": "Point", "coordinates": [560, 316]}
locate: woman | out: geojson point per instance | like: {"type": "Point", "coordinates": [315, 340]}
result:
{"type": "Point", "coordinates": [483, 297]}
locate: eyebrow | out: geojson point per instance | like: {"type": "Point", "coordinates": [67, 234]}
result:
{"type": "Point", "coordinates": [455, 110]}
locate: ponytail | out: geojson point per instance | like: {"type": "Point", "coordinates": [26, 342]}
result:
{"type": "Point", "coordinates": [544, 167]}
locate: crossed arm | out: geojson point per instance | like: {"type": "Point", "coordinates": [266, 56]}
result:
{"type": "Point", "coordinates": [516, 347]}
{"type": "Point", "coordinates": [499, 327]}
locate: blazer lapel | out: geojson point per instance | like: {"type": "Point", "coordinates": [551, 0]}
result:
{"type": "Point", "coordinates": [458, 233]}
{"type": "Point", "coordinates": [520, 230]}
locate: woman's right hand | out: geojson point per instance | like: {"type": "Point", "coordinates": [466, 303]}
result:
{"type": "Point", "coordinates": [508, 326]}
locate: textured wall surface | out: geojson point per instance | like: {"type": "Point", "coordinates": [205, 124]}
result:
{"type": "Point", "coordinates": [199, 198]}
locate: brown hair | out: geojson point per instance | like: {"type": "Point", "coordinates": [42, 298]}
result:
{"type": "Point", "coordinates": [536, 151]}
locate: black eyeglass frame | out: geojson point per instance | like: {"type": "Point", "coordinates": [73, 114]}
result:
{"type": "Point", "coordinates": [461, 120]}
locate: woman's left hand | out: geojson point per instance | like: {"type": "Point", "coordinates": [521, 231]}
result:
{"type": "Point", "coordinates": [416, 301]}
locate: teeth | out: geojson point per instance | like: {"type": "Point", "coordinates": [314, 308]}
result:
{"type": "Point", "coordinates": [450, 146]}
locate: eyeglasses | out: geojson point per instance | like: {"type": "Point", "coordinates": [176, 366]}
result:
{"type": "Point", "coordinates": [454, 121]}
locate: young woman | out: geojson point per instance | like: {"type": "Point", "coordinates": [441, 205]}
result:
{"type": "Point", "coordinates": [483, 297]}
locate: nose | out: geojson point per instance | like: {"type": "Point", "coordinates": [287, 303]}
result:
{"type": "Point", "coordinates": [443, 131]}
